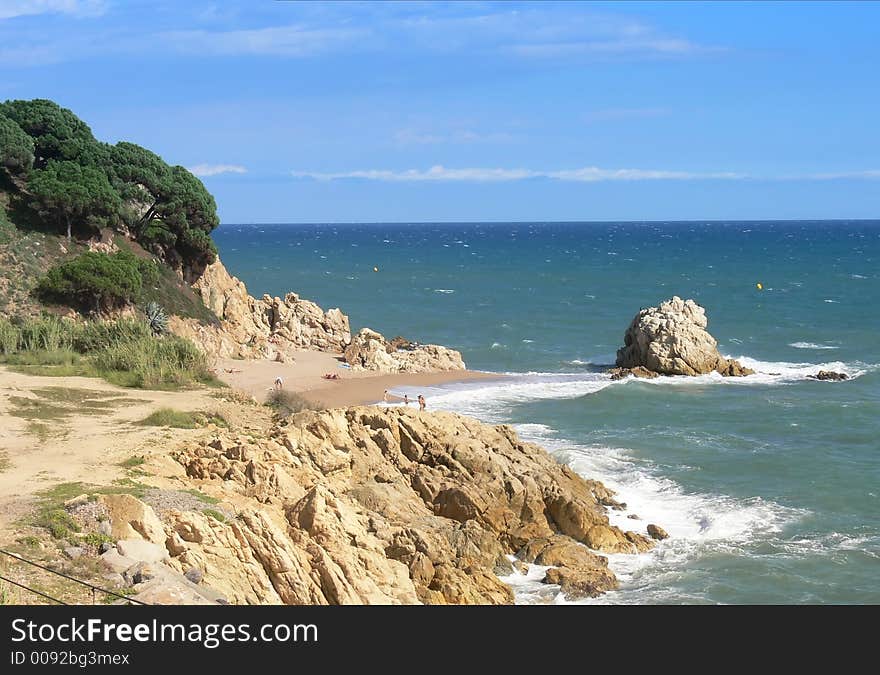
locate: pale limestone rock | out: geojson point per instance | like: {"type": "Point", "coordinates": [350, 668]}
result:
{"type": "Point", "coordinates": [130, 518]}
{"type": "Point", "coordinates": [369, 505]}
{"type": "Point", "coordinates": [264, 328]}
{"type": "Point", "coordinates": [672, 340]}
{"type": "Point", "coordinates": [141, 550]}
{"type": "Point", "coordinates": [370, 350]}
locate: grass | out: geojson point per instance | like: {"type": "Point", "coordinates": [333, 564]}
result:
{"type": "Point", "coordinates": [132, 462]}
{"type": "Point", "coordinates": [47, 413]}
{"type": "Point", "coordinates": [4, 460]}
{"type": "Point", "coordinates": [287, 402]}
{"type": "Point", "coordinates": [180, 419]}
{"type": "Point", "coordinates": [123, 352]}
{"type": "Point", "coordinates": [201, 496]}
{"type": "Point", "coordinates": [216, 515]}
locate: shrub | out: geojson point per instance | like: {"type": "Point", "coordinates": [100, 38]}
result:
{"type": "Point", "coordinates": [98, 281]}
{"type": "Point", "coordinates": [288, 402]}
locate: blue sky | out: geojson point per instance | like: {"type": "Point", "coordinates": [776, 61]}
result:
{"type": "Point", "coordinates": [331, 112]}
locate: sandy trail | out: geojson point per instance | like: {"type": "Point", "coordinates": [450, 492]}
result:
{"type": "Point", "coordinates": [81, 429]}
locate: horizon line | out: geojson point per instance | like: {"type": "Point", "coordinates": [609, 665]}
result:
{"type": "Point", "coordinates": [708, 221]}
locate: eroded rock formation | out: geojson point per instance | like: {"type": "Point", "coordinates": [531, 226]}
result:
{"type": "Point", "coordinates": [373, 505]}
{"type": "Point", "coordinates": [270, 327]}
{"type": "Point", "coordinates": [370, 350]}
{"type": "Point", "coordinates": [672, 340]}
{"type": "Point", "coordinates": [275, 328]}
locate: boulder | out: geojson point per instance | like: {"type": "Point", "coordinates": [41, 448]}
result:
{"type": "Point", "coordinates": [672, 339]}
{"type": "Point", "coordinates": [829, 375]}
{"type": "Point", "coordinates": [141, 551]}
{"type": "Point", "coordinates": [370, 350]}
{"type": "Point", "coordinates": [130, 518]}
{"type": "Point", "coordinates": [657, 532]}
{"type": "Point", "coordinates": [638, 371]}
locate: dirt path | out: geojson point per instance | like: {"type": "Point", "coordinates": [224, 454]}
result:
{"type": "Point", "coordinates": [68, 429]}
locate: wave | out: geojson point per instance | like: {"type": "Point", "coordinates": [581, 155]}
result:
{"type": "Point", "coordinates": [444, 290]}
{"type": "Point", "coordinates": [810, 345]}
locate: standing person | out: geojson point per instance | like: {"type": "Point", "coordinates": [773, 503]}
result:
{"type": "Point", "coordinates": [279, 383]}
{"type": "Point", "coordinates": [406, 399]}
{"type": "Point", "coordinates": [421, 402]}
{"type": "Point", "coordinates": [385, 396]}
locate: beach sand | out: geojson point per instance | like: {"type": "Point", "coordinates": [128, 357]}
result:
{"type": "Point", "coordinates": [304, 376]}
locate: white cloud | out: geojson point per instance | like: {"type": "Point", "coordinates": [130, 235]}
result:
{"type": "Point", "coordinates": [295, 41]}
{"type": "Point", "coordinates": [584, 175]}
{"type": "Point", "coordinates": [215, 169]}
{"type": "Point", "coordinates": [415, 137]}
{"type": "Point", "coordinates": [870, 174]}
{"type": "Point", "coordinates": [609, 114]}
{"type": "Point", "coordinates": [9, 9]}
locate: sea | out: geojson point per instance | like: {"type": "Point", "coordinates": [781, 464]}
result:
{"type": "Point", "coordinates": [768, 485]}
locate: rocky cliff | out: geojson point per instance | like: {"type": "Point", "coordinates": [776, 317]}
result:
{"type": "Point", "coordinates": [275, 328]}
{"type": "Point", "coordinates": [394, 506]}
{"type": "Point", "coordinates": [672, 340]}
{"type": "Point", "coordinates": [266, 328]}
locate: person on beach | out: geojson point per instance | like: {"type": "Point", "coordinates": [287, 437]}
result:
{"type": "Point", "coordinates": [406, 399]}
{"type": "Point", "coordinates": [421, 402]}
{"type": "Point", "coordinates": [279, 383]}
{"type": "Point", "coordinates": [385, 396]}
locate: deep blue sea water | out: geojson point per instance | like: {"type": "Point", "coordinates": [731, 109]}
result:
{"type": "Point", "coordinates": [769, 485]}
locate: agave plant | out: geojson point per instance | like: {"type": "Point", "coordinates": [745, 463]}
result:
{"type": "Point", "coordinates": [157, 318]}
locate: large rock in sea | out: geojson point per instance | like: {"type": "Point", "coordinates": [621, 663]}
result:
{"type": "Point", "coordinates": [672, 340]}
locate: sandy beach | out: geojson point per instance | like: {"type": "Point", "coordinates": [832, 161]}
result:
{"type": "Point", "coordinates": [305, 375]}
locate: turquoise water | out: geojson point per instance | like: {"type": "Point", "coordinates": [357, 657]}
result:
{"type": "Point", "coordinates": [769, 485]}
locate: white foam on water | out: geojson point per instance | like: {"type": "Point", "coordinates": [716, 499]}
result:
{"type": "Point", "coordinates": [810, 345]}
{"type": "Point", "coordinates": [696, 522]}
{"type": "Point", "coordinates": [446, 291]}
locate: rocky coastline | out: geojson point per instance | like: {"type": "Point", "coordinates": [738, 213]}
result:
{"type": "Point", "coordinates": [366, 506]}
{"type": "Point", "coordinates": [275, 328]}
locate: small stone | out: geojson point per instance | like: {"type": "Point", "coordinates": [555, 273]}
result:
{"type": "Point", "coordinates": [74, 552]}
{"type": "Point", "coordinates": [633, 516]}
{"type": "Point", "coordinates": [107, 546]}
{"type": "Point", "coordinates": [194, 574]}
{"type": "Point", "coordinates": [76, 501]}
{"type": "Point", "coordinates": [105, 528]}
{"type": "Point", "coordinates": [657, 532]}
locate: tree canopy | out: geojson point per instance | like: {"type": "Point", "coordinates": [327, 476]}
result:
{"type": "Point", "coordinates": [81, 183]}
{"type": "Point", "coordinates": [57, 133]}
{"type": "Point", "coordinates": [16, 147]}
{"type": "Point", "coordinates": [71, 193]}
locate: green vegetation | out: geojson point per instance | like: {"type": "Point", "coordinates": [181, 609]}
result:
{"type": "Point", "coordinates": [179, 419]}
{"type": "Point", "coordinates": [123, 352]}
{"type": "Point", "coordinates": [157, 318]}
{"type": "Point", "coordinates": [4, 460]}
{"type": "Point", "coordinates": [83, 184]}
{"type": "Point", "coordinates": [16, 147]}
{"type": "Point", "coordinates": [98, 281]}
{"type": "Point", "coordinates": [201, 496]}
{"type": "Point", "coordinates": [216, 515]}
{"type": "Point", "coordinates": [287, 402]}
{"type": "Point", "coordinates": [67, 193]}
{"type": "Point", "coordinates": [132, 462]}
